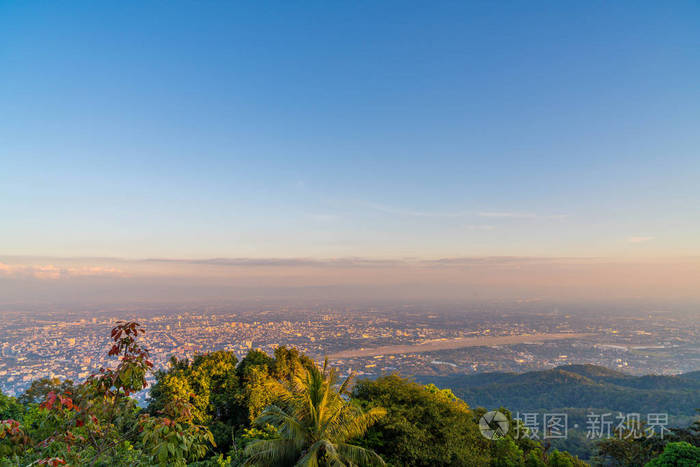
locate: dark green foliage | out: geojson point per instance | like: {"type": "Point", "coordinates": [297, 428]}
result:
{"type": "Point", "coordinates": [255, 359]}
{"type": "Point", "coordinates": [535, 459]}
{"type": "Point", "coordinates": [176, 439]}
{"type": "Point", "coordinates": [40, 388]}
{"type": "Point", "coordinates": [626, 451]}
{"type": "Point", "coordinates": [506, 453]}
{"type": "Point", "coordinates": [690, 434]}
{"type": "Point", "coordinates": [680, 454]}
{"type": "Point", "coordinates": [421, 427]}
{"type": "Point", "coordinates": [10, 407]}
{"type": "Point", "coordinates": [288, 361]}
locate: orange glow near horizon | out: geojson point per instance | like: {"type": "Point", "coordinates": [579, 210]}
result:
{"type": "Point", "coordinates": [453, 278]}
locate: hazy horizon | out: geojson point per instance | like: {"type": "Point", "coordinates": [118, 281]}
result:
{"type": "Point", "coordinates": [463, 278]}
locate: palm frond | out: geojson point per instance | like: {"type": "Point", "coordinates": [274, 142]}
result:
{"type": "Point", "coordinates": [331, 452]}
{"type": "Point", "coordinates": [344, 387]}
{"type": "Point", "coordinates": [288, 426]}
{"type": "Point", "coordinates": [339, 412]}
{"type": "Point", "coordinates": [264, 452]}
{"type": "Point", "coordinates": [355, 425]}
{"type": "Point", "coordinates": [358, 455]}
{"type": "Point", "coordinates": [310, 459]}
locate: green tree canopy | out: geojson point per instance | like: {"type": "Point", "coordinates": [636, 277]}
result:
{"type": "Point", "coordinates": [39, 389]}
{"type": "Point", "coordinates": [423, 426]}
{"type": "Point", "coordinates": [680, 454]}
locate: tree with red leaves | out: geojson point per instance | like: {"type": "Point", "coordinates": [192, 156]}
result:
{"type": "Point", "coordinates": [98, 423]}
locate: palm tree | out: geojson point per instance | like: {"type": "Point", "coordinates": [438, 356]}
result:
{"type": "Point", "coordinates": [315, 428]}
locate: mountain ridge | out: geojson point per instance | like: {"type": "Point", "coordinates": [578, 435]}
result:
{"type": "Point", "coordinates": [577, 386]}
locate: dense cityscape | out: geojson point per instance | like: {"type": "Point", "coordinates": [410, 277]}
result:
{"type": "Point", "coordinates": [423, 340]}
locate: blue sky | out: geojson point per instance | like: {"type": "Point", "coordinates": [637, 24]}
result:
{"type": "Point", "coordinates": [338, 129]}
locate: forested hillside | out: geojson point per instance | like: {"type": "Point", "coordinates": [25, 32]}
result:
{"type": "Point", "coordinates": [580, 386]}
{"type": "Point", "coordinates": [580, 390]}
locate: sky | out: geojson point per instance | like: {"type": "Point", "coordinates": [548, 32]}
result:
{"type": "Point", "coordinates": [143, 139]}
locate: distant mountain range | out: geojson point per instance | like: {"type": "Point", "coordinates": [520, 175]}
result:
{"type": "Point", "coordinates": [578, 390]}
{"type": "Point", "coordinates": [578, 386]}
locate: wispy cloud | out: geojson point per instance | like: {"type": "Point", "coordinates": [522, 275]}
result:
{"type": "Point", "coordinates": [281, 262]}
{"type": "Point", "coordinates": [414, 213]}
{"type": "Point", "coordinates": [458, 214]}
{"type": "Point", "coordinates": [478, 227]}
{"type": "Point", "coordinates": [50, 271]}
{"type": "Point", "coordinates": [323, 217]}
{"type": "Point", "coordinates": [54, 269]}
{"type": "Point", "coordinates": [359, 262]}
{"type": "Point", "coordinates": [519, 215]}
{"type": "Point", "coordinates": [639, 239]}
{"type": "Point", "coordinates": [507, 215]}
